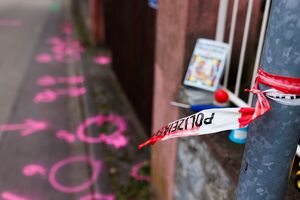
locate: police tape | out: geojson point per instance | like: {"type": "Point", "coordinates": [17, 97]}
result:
{"type": "Point", "coordinates": [282, 98]}
{"type": "Point", "coordinates": [284, 90]}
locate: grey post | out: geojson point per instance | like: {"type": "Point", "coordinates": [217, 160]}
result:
{"type": "Point", "coordinates": [272, 139]}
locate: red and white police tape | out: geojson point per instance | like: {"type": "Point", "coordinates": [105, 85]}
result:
{"type": "Point", "coordinates": [284, 90]}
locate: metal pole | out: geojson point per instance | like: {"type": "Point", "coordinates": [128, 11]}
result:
{"type": "Point", "coordinates": [272, 139]}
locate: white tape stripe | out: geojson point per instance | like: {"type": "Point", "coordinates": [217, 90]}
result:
{"type": "Point", "coordinates": [216, 120]}
{"type": "Point", "coordinates": [282, 98]}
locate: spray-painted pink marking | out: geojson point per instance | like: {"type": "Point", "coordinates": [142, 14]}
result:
{"type": "Point", "coordinates": [135, 172]}
{"type": "Point", "coordinates": [33, 169]}
{"type": "Point", "coordinates": [68, 137]}
{"type": "Point", "coordinates": [98, 196]}
{"type": "Point", "coordinates": [48, 80]}
{"type": "Point", "coordinates": [10, 22]}
{"type": "Point", "coordinates": [11, 196]}
{"type": "Point", "coordinates": [71, 79]}
{"type": "Point", "coordinates": [44, 58]}
{"type": "Point", "coordinates": [102, 60]}
{"type": "Point", "coordinates": [96, 169]}
{"type": "Point", "coordinates": [63, 50]}
{"type": "Point", "coordinates": [29, 126]}
{"type": "Point", "coordinates": [72, 92]}
{"type": "Point", "coordinates": [48, 96]}
{"type": "Point", "coordinates": [67, 28]}
{"type": "Point", "coordinates": [116, 139]}
{"type": "Point", "coordinates": [55, 40]}
{"type": "Point", "coordinates": [58, 49]}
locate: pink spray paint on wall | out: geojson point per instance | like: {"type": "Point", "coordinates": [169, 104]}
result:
{"type": "Point", "coordinates": [49, 95]}
{"type": "Point", "coordinates": [29, 127]}
{"type": "Point", "coordinates": [48, 80]}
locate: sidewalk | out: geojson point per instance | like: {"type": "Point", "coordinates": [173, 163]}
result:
{"type": "Point", "coordinates": [72, 133]}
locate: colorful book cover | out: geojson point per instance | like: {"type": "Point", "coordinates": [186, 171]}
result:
{"type": "Point", "coordinates": [206, 65]}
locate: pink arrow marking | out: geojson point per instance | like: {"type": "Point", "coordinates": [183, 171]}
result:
{"type": "Point", "coordinates": [30, 126]}
{"type": "Point", "coordinates": [98, 196]}
{"type": "Point", "coordinates": [32, 169]}
{"type": "Point", "coordinates": [11, 196]}
{"type": "Point", "coordinates": [48, 80]}
{"type": "Point", "coordinates": [135, 172]}
{"type": "Point", "coordinates": [48, 96]}
{"type": "Point", "coordinates": [68, 137]}
{"type": "Point", "coordinates": [102, 60]}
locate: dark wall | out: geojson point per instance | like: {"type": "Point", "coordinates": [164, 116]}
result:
{"type": "Point", "coordinates": [130, 34]}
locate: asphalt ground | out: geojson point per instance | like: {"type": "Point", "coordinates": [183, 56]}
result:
{"type": "Point", "coordinates": [82, 142]}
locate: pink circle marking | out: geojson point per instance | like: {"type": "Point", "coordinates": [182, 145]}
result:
{"type": "Point", "coordinates": [96, 168]}
{"type": "Point", "coordinates": [44, 58]}
{"type": "Point", "coordinates": [116, 139]}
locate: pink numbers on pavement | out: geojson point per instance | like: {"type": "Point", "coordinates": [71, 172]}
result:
{"type": "Point", "coordinates": [48, 80]}
{"type": "Point", "coordinates": [49, 95]}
